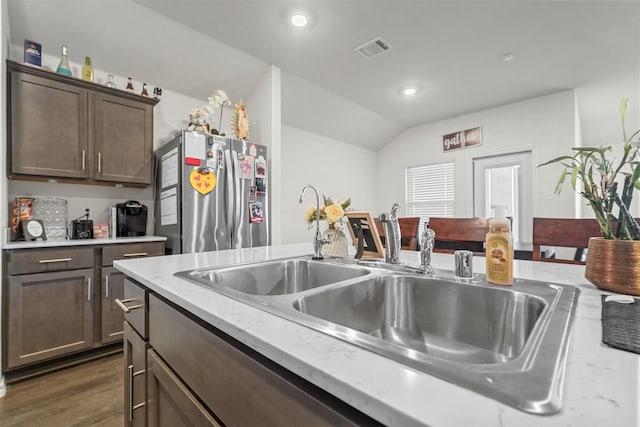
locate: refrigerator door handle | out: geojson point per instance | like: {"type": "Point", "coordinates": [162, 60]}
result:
{"type": "Point", "coordinates": [231, 161]}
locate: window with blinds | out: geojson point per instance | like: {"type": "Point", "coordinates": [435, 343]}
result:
{"type": "Point", "coordinates": [430, 191]}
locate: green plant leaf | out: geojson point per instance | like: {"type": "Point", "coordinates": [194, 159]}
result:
{"type": "Point", "coordinates": [557, 159]}
{"type": "Point", "coordinates": [636, 175]}
{"type": "Point", "coordinates": [346, 203]}
{"type": "Point", "coordinates": [574, 178]}
{"type": "Point", "coordinates": [558, 188]}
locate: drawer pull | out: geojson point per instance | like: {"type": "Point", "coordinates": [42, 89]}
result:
{"type": "Point", "coordinates": [106, 286]}
{"type": "Point", "coordinates": [135, 254]}
{"type": "Point", "coordinates": [50, 261]}
{"type": "Point", "coordinates": [121, 304]}
{"type": "Point", "coordinates": [89, 289]}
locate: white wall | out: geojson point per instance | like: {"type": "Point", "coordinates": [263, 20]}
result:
{"type": "Point", "coordinates": [264, 108]}
{"type": "Point", "coordinates": [545, 124]}
{"type": "Point", "coordinates": [337, 169]}
{"type": "Point", "coordinates": [599, 120]}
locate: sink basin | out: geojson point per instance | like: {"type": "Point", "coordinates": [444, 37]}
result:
{"type": "Point", "coordinates": [457, 323]}
{"type": "Point", "coordinates": [278, 277]}
{"type": "Point", "coordinates": [509, 343]}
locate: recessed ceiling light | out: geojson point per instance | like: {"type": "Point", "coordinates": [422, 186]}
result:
{"type": "Point", "coordinates": [410, 91]}
{"type": "Point", "coordinates": [508, 57]}
{"type": "Point", "coordinates": [299, 20]}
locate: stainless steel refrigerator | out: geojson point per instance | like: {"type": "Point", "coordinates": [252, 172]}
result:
{"type": "Point", "coordinates": [211, 193]}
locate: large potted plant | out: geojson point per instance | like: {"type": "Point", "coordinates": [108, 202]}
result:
{"type": "Point", "coordinates": [607, 183]}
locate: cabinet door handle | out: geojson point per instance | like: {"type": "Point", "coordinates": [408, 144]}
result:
{"type": "Point", "coordinates": [135, 254]}
{"type": "Point", "coordinates": [89, 288]}
{"type": "Point", "coordinates": [130, 367]}
{"type": "Point", "coordinates": [84, 160]}
{"type": "Point", "coordinates": [133, 407]}
{"type": "Point", "coordinates": [121, 304]}
{"type": "Point", "coordinates": [99, 162]}
{"type": "Point", "coordinates": [49, 261]}
{"type": "Point", "coordinates": [106, 286]}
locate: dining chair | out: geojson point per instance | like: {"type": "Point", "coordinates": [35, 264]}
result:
{"type": "Point", "coordinates": [459, 233]}
{"type": "Point", "coordinates": [409, 239]}
{"type": "Point", "coordinates": [565, 233]}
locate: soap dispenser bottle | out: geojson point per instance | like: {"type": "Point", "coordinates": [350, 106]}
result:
{"type": "Point", "coordinates": [499, 256]}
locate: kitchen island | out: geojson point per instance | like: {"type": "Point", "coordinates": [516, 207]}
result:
{"type": "Point", "coordinates": [601, 385]}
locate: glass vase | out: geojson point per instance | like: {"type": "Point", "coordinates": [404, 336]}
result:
{"type": "Point", "coordinates": [338, 245]}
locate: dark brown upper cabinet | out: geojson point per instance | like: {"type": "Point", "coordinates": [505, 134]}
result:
{"type": "Point", "coordinates": [70, 130]}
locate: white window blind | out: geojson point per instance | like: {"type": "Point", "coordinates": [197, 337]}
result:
{"type": "Point", "coordinates": [430, 191]}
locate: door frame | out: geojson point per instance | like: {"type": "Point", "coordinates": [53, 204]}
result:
{"type": "Point", "coordinates": [534, 179]}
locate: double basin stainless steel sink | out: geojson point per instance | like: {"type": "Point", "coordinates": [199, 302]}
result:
{"type": "Point", "coordinates": [507, 343]}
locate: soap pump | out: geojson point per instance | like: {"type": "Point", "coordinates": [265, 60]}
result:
{"type": "Point", "coordinates": [499, 247]}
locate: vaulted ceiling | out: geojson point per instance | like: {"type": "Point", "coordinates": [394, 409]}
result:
{"type": "Point", "coordinates": [454, 52]}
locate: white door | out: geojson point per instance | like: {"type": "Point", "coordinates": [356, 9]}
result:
{"type": "Point", "coordinates": [506, 181]}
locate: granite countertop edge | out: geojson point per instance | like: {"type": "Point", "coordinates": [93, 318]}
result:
{"type": "Point", "coordinates": [35, 244]}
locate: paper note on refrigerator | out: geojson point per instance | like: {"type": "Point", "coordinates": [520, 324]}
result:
{"type": "Point", "coordinates": [195, 146]}
{"type": "Point", "coordinates": [169, 168]}
{"type": "Point", "coordinates": [168, 207]}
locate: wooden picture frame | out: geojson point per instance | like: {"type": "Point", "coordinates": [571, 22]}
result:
{"type": "Point", "coordinates": [363, 221]}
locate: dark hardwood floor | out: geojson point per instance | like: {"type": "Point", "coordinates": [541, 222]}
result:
{"type": "Point", "coordinates": [90, 394]}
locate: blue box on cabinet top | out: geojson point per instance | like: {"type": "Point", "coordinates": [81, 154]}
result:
{"type": "Point", "coordinates": [32, 53]}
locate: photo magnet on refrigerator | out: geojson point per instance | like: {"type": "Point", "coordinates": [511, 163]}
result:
{"type": "Point", "coordinates": [245, 164]}
{"type": "Point", "coordinates": [261, 167]}
{"type": "Point", "coordinates": [256, 214]}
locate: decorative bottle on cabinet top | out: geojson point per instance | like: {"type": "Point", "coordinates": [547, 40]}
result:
{"type": "Point", "coordinates": [63, 66]}
{"type": "Point", "coordinates": [499, 256]}
{"type": "Point", "coordinates": [110, 82]}
{"type": "Point", "coordinates": [87, 69]}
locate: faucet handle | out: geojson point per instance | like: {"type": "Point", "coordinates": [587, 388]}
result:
{"type": "Point", "coordinates": [394, 211]}
{"type": "Point", "coordinates": [428, 236]}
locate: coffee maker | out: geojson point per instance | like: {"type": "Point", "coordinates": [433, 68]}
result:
{"type": "Point", "coordinates": [131, 219]}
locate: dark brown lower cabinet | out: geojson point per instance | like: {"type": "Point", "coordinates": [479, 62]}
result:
{"type": "Point", "coordinates": [195, 370]}
{"type": "Point", "coordinates": [59, 305]}
{"type": "Point", "coordinates": [135, 375]}
{"type": "Point", "coordinates": [111, 315]}
{"type": "Point", "coordinates": [48, 315]}
{"type": "Point", "coordinates": [170, 403]}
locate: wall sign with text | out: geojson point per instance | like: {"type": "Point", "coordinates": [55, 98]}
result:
{"type": "Point", "coordinates": [462, 139]}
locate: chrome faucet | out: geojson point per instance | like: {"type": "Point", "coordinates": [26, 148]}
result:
{"type": "Point", "coordinates": [392, 235]}
{"type": "Point", "coordinates": [318, 241]}
{"type": "Point", "coordinates": [426, 248]}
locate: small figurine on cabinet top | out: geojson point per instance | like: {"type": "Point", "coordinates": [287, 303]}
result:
{"type": "Point", "coordinates": [129, 83]}
{"type": "Point", "coordinates": [241, 121]}
{"type": "Point", "coordinates": [198, 120]}
{"type": "Point", "coordinates": [144, 90]}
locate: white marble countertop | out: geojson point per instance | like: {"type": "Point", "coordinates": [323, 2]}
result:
{"type": "Point", "coordinates": [80, 242]}
{"type": "Point", "coordinates": [601, 385]}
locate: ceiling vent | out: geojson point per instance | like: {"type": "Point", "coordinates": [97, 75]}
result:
{"type": "Point", "coordinates": [373, 48]}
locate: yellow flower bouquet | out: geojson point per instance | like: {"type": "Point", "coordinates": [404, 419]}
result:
{"type": "Point", "coordinates": [331, 211]}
